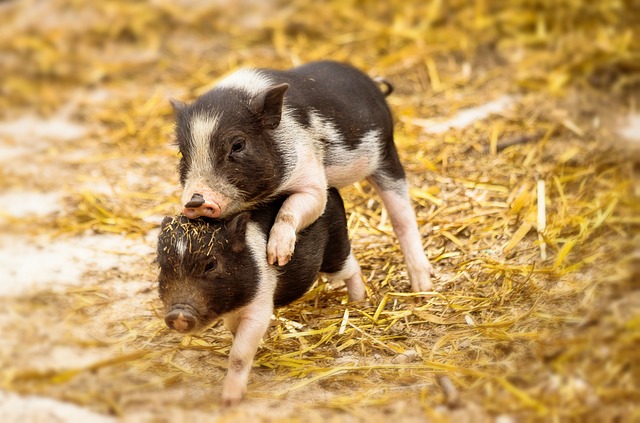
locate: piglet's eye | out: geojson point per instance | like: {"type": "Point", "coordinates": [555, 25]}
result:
{"type": "Point", "coordinates": [210, 266]}
{"type": "Point", "coordinates": [237, 146]}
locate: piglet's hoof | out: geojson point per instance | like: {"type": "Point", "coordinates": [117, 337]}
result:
{"type": "Point", "coordinates": [421, 278]}
{"type": "Point", "coordinates": [282, 241]}
{"type": "Point", "coordinates": [230, 402]}
{"type": "Point", "coordinates": [233, 391]}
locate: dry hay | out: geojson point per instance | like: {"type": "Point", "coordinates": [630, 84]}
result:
{"type": "Point", "coordinates": [535, 314]}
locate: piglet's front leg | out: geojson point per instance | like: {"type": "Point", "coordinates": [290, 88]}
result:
{"type": "Point", "coordinates": [299, 210]}
{"type": "Point", "coordinates": [248, 330]}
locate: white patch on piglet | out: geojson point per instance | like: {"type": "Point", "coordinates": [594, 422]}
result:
{"type": "Point", "coordinates": [311, 147]}
{"type": "Point", "coordinates": [200, 176]}
{"type": "Point", "coordinates": [248, 80]}
{"type": "Point", "coordinates": [181, 247]}
{"type": "Point", "coordinates": [351, 166]}
{"type": "Point", "coordinates": [268, 276]}
{"type": "Point", "coordinates": [323, 140]}
{"type": "Point", "coordinates": [296, 147]}
{"type": "Point", "coordinates": [324, 133]}
{"type": "Point", "coordinates": [202, 125]}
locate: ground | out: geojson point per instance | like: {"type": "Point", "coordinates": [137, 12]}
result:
{"type": "Point", "coordinates": [535, 313]}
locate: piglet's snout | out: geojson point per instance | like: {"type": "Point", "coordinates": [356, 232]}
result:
{"type": "Point", "coordinates": [180, 319]}
{"type": "Point", "coordinates": [198, 206]}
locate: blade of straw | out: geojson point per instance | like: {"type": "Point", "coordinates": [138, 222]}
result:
{"type": "Point", "coordinates": [542, 218]}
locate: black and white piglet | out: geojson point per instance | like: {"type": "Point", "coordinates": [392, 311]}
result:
{"type": "Point", "coordinates": [213, 269]}
{"type": "Point", "coordinates": [260, 133]}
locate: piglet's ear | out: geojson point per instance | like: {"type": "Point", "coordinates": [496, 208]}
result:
{"type": "Point", "coordinates": [166, 221]}
{"type": "Point", "coordinates": [268, 106]}
{"type": "Point", "coordinates": [237, 229]}
{"type": "Point", "coordinates": [178, 106]}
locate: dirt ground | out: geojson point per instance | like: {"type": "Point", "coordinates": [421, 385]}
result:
{"type": "Point", "coordinates": [520, 327]}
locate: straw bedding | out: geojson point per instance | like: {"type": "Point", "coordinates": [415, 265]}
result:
{"type": "Point", "coordinates": [530, 215]}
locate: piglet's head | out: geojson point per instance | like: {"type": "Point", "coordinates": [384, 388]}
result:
{"type": "Point", "coordinates": [205, 270]}
{"type": "Point", "coordinates": [230, 154]}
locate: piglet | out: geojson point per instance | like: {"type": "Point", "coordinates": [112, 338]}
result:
{"type": "Point", "coordinates": [212, 269]}
{"type": "Point", "coordinates": [261, 133]}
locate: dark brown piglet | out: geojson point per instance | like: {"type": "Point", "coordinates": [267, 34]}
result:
{"type": "Point", "coordinates": [212, 269]}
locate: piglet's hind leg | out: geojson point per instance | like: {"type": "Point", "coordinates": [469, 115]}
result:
{"type": "Point", "coordinates": [352, 277]}
{"type": "Point", "coordinates": [395, 196]}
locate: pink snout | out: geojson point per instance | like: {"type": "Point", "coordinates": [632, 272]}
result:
{"type": "Point", "coordinates": [199, 206]}
{"type": "Point", "coordinates": [180, 319]}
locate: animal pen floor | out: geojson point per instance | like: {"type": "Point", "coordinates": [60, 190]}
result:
{"type": "Point", "coordinates": [529, 320]}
